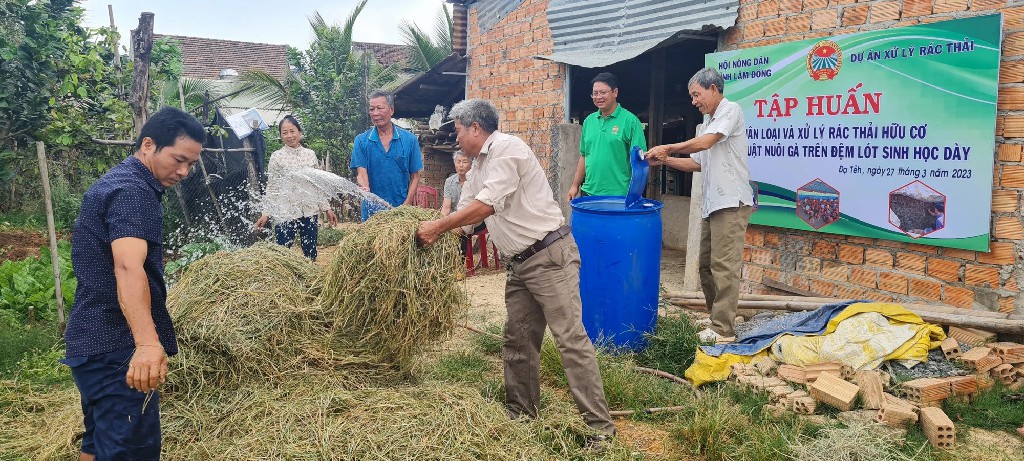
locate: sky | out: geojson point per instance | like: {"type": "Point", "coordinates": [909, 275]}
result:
{"type": "Point", "coordinates": [281, 22]}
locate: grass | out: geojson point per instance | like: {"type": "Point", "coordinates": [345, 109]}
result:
{"type": "Point", "coordinates": [672, 346]}
{"type": "Point", "coordinates": [22, 221]}
{"type": "Point", "coordinates": [488, 344]}
{"type": "Point", "coordinates": [460, 367]}
{"type": "Point", "coordinates": [329, 236]}
{"type": "Point", "coordinates": [24, 342]}
{"type": "Point", "coordinates": [991, 409]}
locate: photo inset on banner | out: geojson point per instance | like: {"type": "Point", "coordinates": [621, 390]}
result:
{"type": "Point", "coordinates": [917, 209]}
{"type": "Point", "coordinates": [817, 203]}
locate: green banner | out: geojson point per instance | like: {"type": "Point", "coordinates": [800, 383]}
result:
{"type": "Point", "coordinates": [884, 134]}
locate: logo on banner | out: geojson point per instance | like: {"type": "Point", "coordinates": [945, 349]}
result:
{"type": "Point", "coordinates": [824, 60]}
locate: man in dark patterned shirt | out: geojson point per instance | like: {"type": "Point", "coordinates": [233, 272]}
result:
{"type": "Point", "coordinates": [119, 333]}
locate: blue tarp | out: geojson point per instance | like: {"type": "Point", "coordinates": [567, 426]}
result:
{"type": "Point", "coordinates": [762, 336]}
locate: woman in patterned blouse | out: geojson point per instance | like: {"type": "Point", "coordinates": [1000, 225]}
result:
{"type": "Point", "coordinates": [292, 214]}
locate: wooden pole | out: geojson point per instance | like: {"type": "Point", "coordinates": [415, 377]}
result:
{"type": "Point", "coordinates": [113, 28]}
{"type": "Point", "coordinates": [687, 295]}
{"type": "Point", "coordinates": [142, 44]}
{"type": "Point", "coordinates": [54, 258]}
{"type": "Point", "coordinates": [1005, 325]}
{"type": "Point", "coordinates": [177, 187]}
{"type": "Point", "coordinates": [691, 276]}
{"type": "Point", "coordinates": [646, 411]}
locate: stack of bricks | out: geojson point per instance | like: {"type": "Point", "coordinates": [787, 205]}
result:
{"type": "Point", "coordinates": [1011, 372]}
{"type": "Point", "coordinates": [884, 270]}
{"type": "Point", "coordinates": [437, 166]}
{"type": "Point", "coordinates": [971, 336]}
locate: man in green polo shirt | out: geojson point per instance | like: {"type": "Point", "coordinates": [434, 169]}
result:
{"type": "Point", "coordinates": [608, 136]}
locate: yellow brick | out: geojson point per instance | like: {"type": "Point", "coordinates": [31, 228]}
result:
{"type": "Point", "coordinates": [1012, 176]}
{"type": "Point", "coordinates": [1009, 152]}
{"type": "Point", "coordinates": [949, 6]}
{"type": "Point", "coordinates": [1008, 227]}
{"type": "Point", "coordinates": [1011, 72]}
{"type": "Point", "coordinates": [1010, 98]}
{"type": "Point", "coordinates": [885, 11]}
{"type": "Point", "coordinates": [1001, 253]}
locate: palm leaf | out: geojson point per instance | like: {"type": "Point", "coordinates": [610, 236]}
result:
{"type": "Point", "coordinates": [268, 90]}
{"type": "Point", "coordinates": [427, 50]}
{"type": "Point", "coordinates": [444, 29]}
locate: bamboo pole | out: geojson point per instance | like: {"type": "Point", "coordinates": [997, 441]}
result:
{"type": "Point", "coordinates": [667, 375]}
{"type": "Point", "coordinates": [750, 296]}
{"type": "Point", "coordinates": [1004, 325]}
{"type": "Point", "coordinates": [646, 411]}
{"type": "Point", "coordinates": [691, 295]}
{"type": "Point", "coordinates": [54, 258]}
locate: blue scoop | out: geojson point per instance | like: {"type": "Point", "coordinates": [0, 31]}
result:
{"type": "Point", "coordinates": [637, 183]}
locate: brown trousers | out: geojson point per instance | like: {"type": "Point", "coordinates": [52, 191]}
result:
{"type": "Point", "coordinates": [721, 260]}
{"type": "Point", "coordinates": [545, 289]}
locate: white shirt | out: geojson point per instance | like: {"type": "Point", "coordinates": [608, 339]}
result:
{"type": "Point", "coordinates": [507, 176]}
{"type": "Point", "coordinates": [281, 200]}
{"type": "Point", "coordinates": [726, 174]}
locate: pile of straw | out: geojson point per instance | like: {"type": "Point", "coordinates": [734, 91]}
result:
{"type": "Point", "coordinates": [391, 295]}
{"type": "Point", "coordinates": [282, 359]}
{"type": "Point", "coordinates": [248, 314]}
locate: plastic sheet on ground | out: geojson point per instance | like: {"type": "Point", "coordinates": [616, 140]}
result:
{"type": "Point", "coordinates": [859, 334]}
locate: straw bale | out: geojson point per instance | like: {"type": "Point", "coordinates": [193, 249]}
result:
{"type": "Point", "coordinates": [250, 314]}
{"type": "Point", "coordinates": [390, 295]}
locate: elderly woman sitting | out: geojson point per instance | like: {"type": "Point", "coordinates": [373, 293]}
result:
{"type": "Point", "coordinates": [453, 185]}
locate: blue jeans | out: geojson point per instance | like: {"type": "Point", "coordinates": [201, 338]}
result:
{"type": "Point", "coordinates": [119, 423]}
{"type": "Point", "coordinates": [307, 227]}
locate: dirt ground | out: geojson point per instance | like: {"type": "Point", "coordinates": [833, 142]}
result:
{"type": "Point", "coordinates": [19, 244]}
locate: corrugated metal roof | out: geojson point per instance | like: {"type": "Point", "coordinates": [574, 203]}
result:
{"type": "Point", "coordinates": [489, 12]}
{"type": "Point", "coordinates": [597, 33]}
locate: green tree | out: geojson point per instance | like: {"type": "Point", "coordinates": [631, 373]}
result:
{"type": "Point", "coordinates": [327, 90]}
{"type": "Point", "coordinates": [57, 85]}
{"type": "Point", "coordinates": [428, 50]}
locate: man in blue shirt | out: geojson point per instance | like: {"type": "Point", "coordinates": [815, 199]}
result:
{"type": "Point", "coordinates": [387, 159]}
{"type": "Point", "coordinates": [119, 333]}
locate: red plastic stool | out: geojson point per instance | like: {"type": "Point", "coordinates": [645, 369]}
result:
{"type": "Point", "coordinates": [470, 266]}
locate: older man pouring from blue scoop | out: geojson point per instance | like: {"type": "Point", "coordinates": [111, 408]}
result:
{"type": "Point", "coordinates": [720, 153]}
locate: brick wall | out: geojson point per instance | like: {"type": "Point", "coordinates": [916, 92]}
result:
{"type": "Point", "coordinates": [854, 267]}
{"type": "Point", "coordinates": [437, 166]}
{"type": "Point", "coordinates": [527, 92]}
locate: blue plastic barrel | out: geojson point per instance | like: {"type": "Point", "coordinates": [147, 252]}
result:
{"type": "Point", "coordinates": [620, 253]}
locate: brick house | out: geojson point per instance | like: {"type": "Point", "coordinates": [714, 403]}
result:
{"type": "Point", "coordinates": [521, 56]}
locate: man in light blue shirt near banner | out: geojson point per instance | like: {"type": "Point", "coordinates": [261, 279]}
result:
{"type": "Point", "coordinates": [387, 159]}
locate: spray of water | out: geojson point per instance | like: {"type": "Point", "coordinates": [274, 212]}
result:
{"type": "Point", "coordinates": [229, 221]}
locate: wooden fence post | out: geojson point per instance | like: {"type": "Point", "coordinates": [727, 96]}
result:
{"type": "Point", "coordinates": [142, 46]}
{"type": "Point", "coordinates": [54, 258]}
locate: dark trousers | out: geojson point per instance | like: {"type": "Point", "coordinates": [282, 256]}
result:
{"type": "Point", "coordinates": [120, 424]}
{"type": "Point", "coordinates": [307, 228]}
